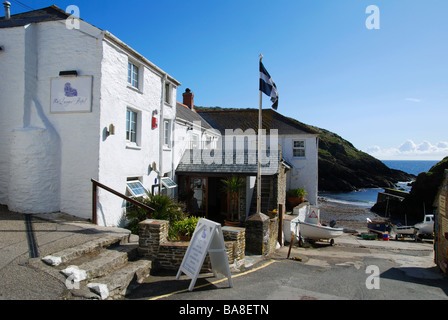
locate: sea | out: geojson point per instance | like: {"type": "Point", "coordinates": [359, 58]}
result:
{"type": "Point", "coordinates": [367, 197]}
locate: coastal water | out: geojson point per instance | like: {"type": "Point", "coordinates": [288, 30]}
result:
{"type": "Point", "coordinates": [367, 197]}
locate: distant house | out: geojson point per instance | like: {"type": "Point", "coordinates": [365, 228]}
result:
{"type": "Point", "coordinates": [298, 144]}
{"type": "Point", "coordinates": [76, 104]}
{"type": "Point", "coordinates": [203, 166]}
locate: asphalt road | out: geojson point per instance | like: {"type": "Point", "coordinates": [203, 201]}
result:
{"type": "Point", "coordinates": [325, 273]}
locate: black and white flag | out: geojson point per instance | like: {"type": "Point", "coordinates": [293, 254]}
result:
{"type": "Point", "coordinates": [267, 86]}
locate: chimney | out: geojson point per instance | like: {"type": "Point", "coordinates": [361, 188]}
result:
{"type": "Point", "coordinates": [188, 98]}
{"type": "Point", "coordinates": [7, 12]}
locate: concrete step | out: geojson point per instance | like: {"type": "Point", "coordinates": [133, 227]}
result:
{"type": "Point", "coordinates": [90, 247]}
{"type": "Point", "coordinates": [105, 268]}
{"type": "Point", "coordinates": [122, 281]}
{"type": "Point", "coordinates": [102, 263]}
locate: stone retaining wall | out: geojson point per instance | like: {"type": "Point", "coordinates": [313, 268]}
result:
{"type": "Point", "coordinates": [154, 244]}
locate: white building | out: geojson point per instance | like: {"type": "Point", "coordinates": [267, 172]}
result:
{"type": "Point", "coordinates": [78, 104]}
{"type": "Point", "coordinates": [298, 143]}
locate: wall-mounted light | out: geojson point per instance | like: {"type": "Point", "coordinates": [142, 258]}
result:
{"type": "Point", "coordinates": [111, 130]}
{"type": "Point", "coordinates": [189, 128]}
{"type": "Point", "coordinates": [68, 73]}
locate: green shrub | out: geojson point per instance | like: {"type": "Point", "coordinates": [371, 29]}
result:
{"type": "Point", "coordinates": [183, 227]}
{"type": "Point", "coordinates": [165, 208]}
{"type": "Point", "coordinates": [296, 193]}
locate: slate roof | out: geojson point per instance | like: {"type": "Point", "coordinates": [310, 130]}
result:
{"type": "Point", "coordinates": [52, 13]}
{"type": "Point", "coordinates": [242, 162]}
{"type": "Point", "coordinates": [185, 113]}
{"type": "Point", "coordinates": [248, 119]}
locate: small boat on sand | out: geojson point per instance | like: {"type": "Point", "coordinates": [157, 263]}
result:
{"type": "Point", "coordinates": [318, 232]}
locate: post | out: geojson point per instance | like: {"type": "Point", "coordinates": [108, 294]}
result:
{"type": "Point", "coordinates": [94, 203]}
{"type": "Point", "coordinates": [260, 130]}
{"type": "Point", "coordinates": [280, 223]}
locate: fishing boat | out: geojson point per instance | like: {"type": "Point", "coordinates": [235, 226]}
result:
{"type": "Point", "coordinates": [404, 231]}
{"type": "Point", "coordinates": [317, 232]}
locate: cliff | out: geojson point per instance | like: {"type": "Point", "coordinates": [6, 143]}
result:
{"type": "Point", "coordinates": [343, 168]}
{"type": "Point", "coordinates": [424, 191]}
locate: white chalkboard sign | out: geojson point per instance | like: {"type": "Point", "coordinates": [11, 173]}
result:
{"type": "Point", "coordinates": [207, 238]}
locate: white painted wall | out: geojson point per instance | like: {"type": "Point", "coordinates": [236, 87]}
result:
{"type": "Point", "coordinates": [47, 159]}
{"type": "Point", "coordinates": [305, 170]}
{"type": "Point", "coordinates": [119, 160]}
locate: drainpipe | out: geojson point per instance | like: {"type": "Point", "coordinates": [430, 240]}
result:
{"type": "Point", "coordinates": [161, 132]}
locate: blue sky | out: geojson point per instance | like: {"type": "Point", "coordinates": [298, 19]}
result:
{"type": "Point", "coordinates": [385, 90]}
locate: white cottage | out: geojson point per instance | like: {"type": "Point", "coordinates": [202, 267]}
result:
{"type": "Point", "coordinates": [78, 104]}
{"type": "Point", "coordinates": [298, 142]}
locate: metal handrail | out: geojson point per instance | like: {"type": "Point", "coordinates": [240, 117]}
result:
{"type": "Point", "coordinates": [96, 184]}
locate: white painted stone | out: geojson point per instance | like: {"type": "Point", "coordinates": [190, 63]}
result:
{"type": "Point", "coordinates": [100, 289]}
{"type": "Point", "coordinates": [52, 260]}
{"type": "Point", "coordinates": [74, 273]}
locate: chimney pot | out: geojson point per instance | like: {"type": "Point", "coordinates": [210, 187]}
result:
{"type": "Point", "coordinates": [188, 98]}
{"type": "Point", "coordinates": [7, 5]}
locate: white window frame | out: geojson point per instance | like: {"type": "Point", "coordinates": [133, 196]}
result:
{"type": "Point", "coordinates": [300, 148]}
{"type": "Point", "coordinates": [134, 75]}
{"type": "Point", "coordinates": [133, 141]}
{"type": "Point", "coordinates": [168, 93]}
{"type": "Point", "coordinates": [167, 133]}
{"type": "Point", "coordinates": [168, 183]}
{"type": "Point", "coordinates": [132, 193]}
{"type": "Point", "coordinates": [195, 143]}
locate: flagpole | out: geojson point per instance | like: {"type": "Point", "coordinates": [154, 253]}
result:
{"type": "Point", "coordinates": [259, 151]}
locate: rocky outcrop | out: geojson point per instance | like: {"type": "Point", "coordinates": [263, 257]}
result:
{"type": "Point", "coordinates": [424, 191]}
{"type": "Point", "coordinates": [344, 168]}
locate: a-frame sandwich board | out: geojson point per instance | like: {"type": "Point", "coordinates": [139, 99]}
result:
{"type": "Point", "coordinates": [207, 238]}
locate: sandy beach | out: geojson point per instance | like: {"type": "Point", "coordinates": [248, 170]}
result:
{"type": "Point", "coordinates": [346, 215]}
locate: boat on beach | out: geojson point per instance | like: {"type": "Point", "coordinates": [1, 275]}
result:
{"type": "Point", "coordinates": [308, 227]}
{"type": "Point", "coordinates": [404, 231]}
{"type": "Point", "coordinates": [318, 232]}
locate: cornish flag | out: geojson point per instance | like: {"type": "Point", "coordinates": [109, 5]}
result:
{"type": "Point", "coordinates": [267, 86]}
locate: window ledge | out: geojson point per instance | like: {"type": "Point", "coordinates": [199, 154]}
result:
{"type": "Point", "coordinates": [134, 88]}
{"type": "Point", "coordinates": [133, 146]}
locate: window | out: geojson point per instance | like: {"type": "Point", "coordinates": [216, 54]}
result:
{"type": "Point", "coordinates": [167, 93]}
{"type": "Point", "coordinates": [133, 72]}
{"type": "Point", "coordinates": [136, 188]}
{"type": "Point", "coordinates": [166, 133]}
{"type": "Point", "coordinates": [131, 126]}
{"type": "Point", "coordinates": [168, 183]}
{"type": "Point", "coordinates": [194, 141]}
{"type": "Point", "coordinates": [298, 148]}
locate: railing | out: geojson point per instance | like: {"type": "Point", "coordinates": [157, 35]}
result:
{"type": "Point", "coordinates": [96, 184]}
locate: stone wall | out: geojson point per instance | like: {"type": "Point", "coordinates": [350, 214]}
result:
{"type": "Point", "coordinates": [261, 234]}
{"type": "Point", "coordinates": [441, 231]}
{"type": "Point", "coordinates": [154, 244]}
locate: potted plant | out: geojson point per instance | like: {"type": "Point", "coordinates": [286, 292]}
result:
{"type": "Point", "coordinates": [183, 229]}
{"type": "Point", "coordinates": [295, 197]}
{"type": "Point", "coordinates": [233, 185]}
